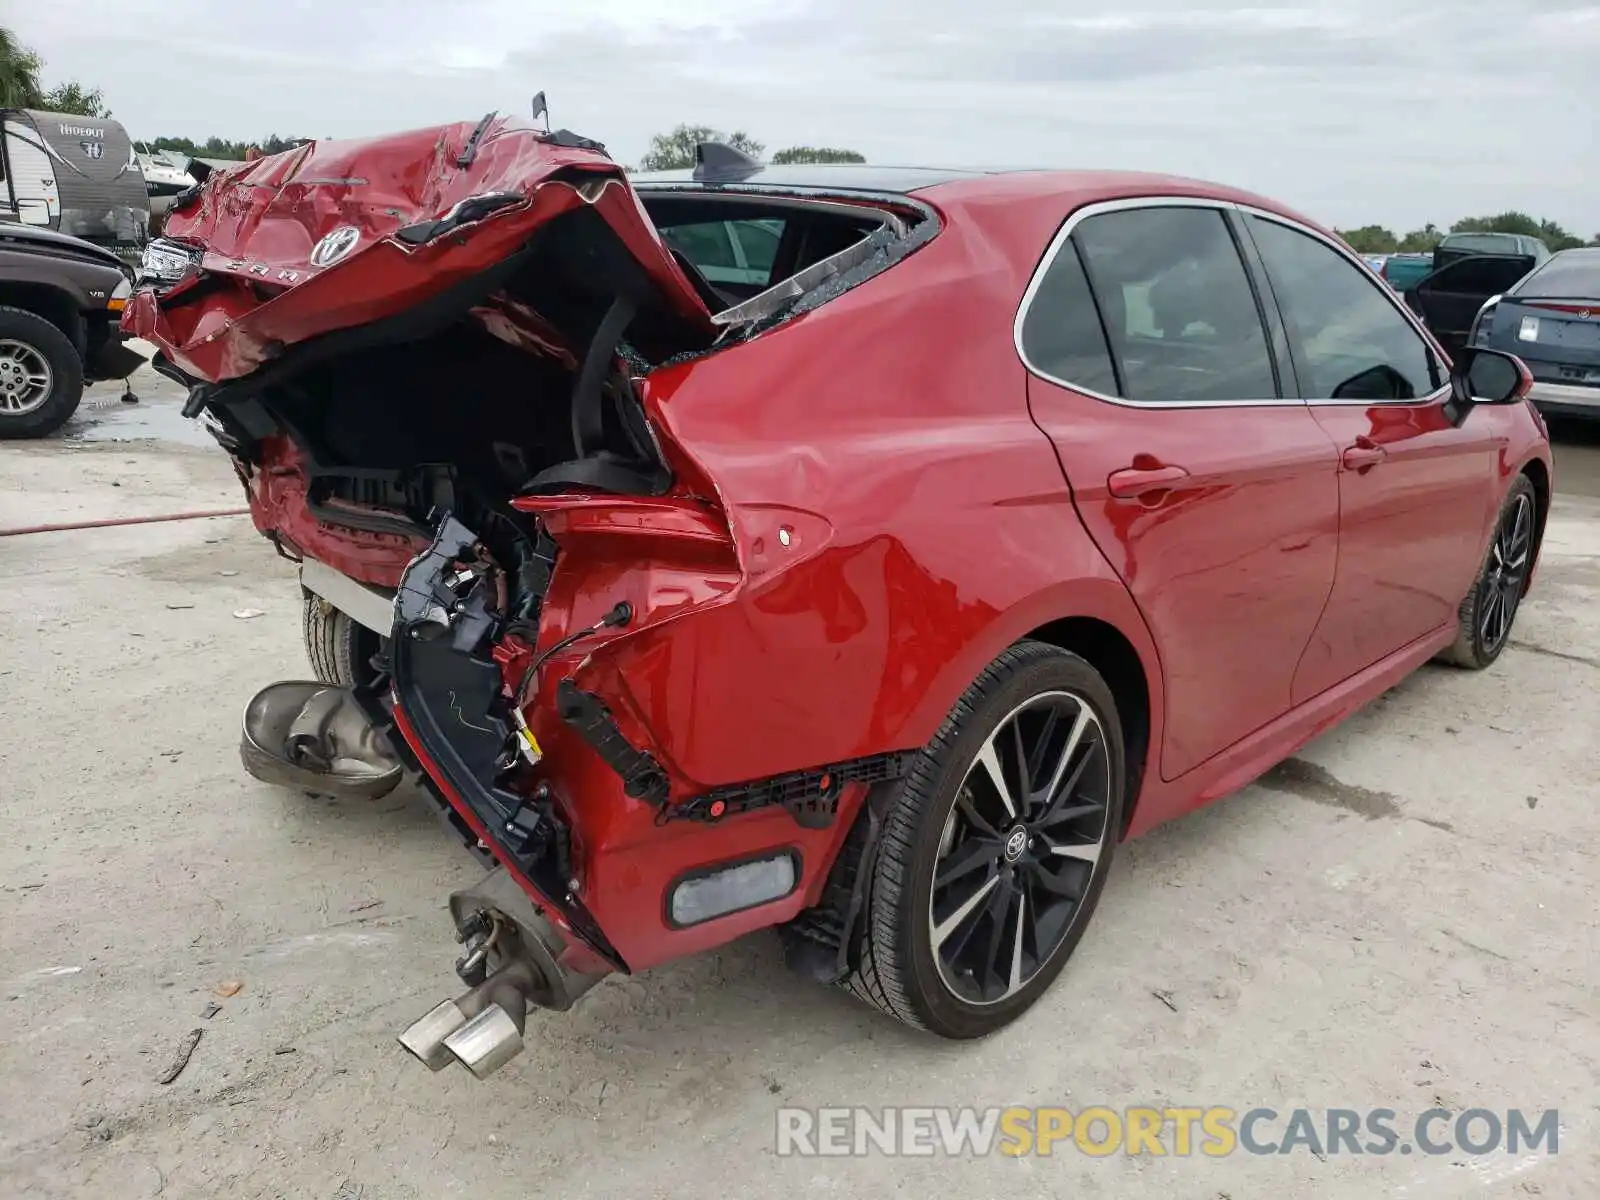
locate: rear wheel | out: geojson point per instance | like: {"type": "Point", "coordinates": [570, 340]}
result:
{"type": "Point", "coordinates": [340, 649]}
{"type": "Point", "coordinates": [41, 375]}
{"type": "Point", "coordinates": [1487, 613]}
{"type": "Point", "coordinates": [996, 847]}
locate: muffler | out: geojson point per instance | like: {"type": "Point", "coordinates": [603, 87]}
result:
{"type": "Point", "coordinates": [315, 738]}
{"type": "Point", "coordinates": [515, 953]}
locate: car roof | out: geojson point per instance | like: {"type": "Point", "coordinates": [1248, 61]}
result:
{"type": "Point", "coordinates": [963, 183]}
{"type": "Point", "coordinates": [853, 177]}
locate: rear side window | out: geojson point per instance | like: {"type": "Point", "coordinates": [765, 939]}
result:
{"type": "Point", "coordinates": [1570, 275]}
{"type": "Point", "coordinates": [730, 252]}
{"type": "Point", "coordinates": [1178, 308]}
{"type": "Point", "coordinates": [1351, 343]}
{"type": "Point", "coordinates": [1061, 332]}
{"type": "Point", "coordinates": [1486, 243]}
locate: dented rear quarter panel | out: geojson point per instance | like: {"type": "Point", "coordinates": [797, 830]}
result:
{"type": "Point", "coordinates": [930, 527]}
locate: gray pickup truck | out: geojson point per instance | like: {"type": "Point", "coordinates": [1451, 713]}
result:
{"type": "Point", "coordinates": [61, 302]}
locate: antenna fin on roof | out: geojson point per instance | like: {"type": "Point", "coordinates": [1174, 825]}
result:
{"type": "Point", "coordinates": [715, 162]}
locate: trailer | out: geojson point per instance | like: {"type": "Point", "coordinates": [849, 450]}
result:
{"type": "Point", "coordinates": [76, 175]}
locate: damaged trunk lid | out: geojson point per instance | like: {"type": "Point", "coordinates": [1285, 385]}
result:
{"type": "Point", "coordinates": [266, 257]}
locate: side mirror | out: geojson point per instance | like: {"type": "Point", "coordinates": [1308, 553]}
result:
{"type": "Point", "coordinates": [1485, 377]}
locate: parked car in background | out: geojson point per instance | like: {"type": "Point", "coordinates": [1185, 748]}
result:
{"type": "Point", "coordinates": [874, 595]}
{"type": "Point", "coordinates": [1463, 245]}
{"type": "Point", "coordinates": [61, 299]}
{"type": "Point", "coordinates": [1551, 320]}
{"type": "Point", "coordinates": [1404, 271]}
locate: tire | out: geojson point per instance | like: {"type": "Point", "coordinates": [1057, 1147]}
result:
{"type": "Point", "coordinates": [898, 969]}
{"type": "Point", "coordinates": [41, 375]}
{"type": "Point", "coordinates": [339, 648]}
{"type": "Point", "coordinates": [1487, 614]}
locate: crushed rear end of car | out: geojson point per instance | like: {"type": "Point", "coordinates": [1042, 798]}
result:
{"type": "Point", "coordinates": [441, 363]}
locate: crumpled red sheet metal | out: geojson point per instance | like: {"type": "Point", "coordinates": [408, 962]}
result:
{"type": "Point", "coordinates": [261, 224]}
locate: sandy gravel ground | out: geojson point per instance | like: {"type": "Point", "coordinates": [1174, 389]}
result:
{"type": "Point", "coordinates": [1405, 917]}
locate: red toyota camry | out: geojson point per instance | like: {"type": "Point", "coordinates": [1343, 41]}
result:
{"type": "Point", "coordinates": [854, 551]}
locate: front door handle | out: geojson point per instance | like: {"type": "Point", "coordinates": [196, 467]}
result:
{"type": "Point", "coordinates": [1132, 482]}
{"type": "Point", "coordinates": [1364, 454]}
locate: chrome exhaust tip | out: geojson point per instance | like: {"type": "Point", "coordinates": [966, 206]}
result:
{"type": "Point", "coordinates": [487, 1042]}
{"type": "Point", "coordinates": [425, 1037]}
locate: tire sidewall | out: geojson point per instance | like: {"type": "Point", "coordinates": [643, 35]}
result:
{"type": "Point", "coordinates": [1472, 635]}
{"type": "Point", "coordinates": [1052, 670]}
{"type": "Point", "coordinates": [66, 367]}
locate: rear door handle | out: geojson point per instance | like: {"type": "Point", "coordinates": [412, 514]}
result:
{"type": "Point", "coordinates": [1132, 482]}
{"type": "Point", "coordinates": [1365, 453]}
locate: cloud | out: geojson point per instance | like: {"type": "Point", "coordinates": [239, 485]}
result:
{"type": "Point", "coordinates": [1395, 111]}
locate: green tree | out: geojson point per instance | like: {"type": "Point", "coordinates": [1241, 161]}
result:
{"type": "Point", "coordinates": [816, 154]}
{"type": "Point", "coordinates": [1421, 241]}
{"type": "Point", "coordinates": [73, 97]}
{"type": "Point", "coordinates": [19, 73]}
{"type": "Point", "coordinates": [1369, 239]}
{"type": "Point", "coordinates": [1548, 232]}
{"type": "Point", "coordinates": [674, 151]}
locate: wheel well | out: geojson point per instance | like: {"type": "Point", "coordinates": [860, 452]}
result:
{"type": "Point", "coordinates": [1539, 476]}
{"type": "Point", "coordinates": [1105, 649]}
{"type": "Point", "coordinates": [52, 304]}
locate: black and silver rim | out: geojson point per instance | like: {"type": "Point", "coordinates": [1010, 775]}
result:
{"type": "Point", "coordinates": [1020, 847]}
{"type": "Point", "coordinates": [25, 378]}
{"type": "Point", "coordinates": [1508, 571]}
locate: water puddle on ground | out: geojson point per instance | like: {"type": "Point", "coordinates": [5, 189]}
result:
{"type": "Point", "coordinates": [107, 419]}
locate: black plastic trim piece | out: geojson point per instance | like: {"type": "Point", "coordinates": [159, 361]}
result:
{"type": "Point", "coordinates": [811, 796]}
{"type": "Point", "coordinates": [642, 777]}
{"type": "Point", "coordinates": [450, 695]}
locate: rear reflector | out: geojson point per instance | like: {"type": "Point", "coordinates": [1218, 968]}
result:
{"type": "Point", "coordinates": [722, 890]}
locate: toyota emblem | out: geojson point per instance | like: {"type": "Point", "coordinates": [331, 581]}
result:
{"type": "Point", "coordinates": [335, 246]}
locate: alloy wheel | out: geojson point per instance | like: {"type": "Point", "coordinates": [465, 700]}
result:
{"type": "Point", "coordinates": [1507, 573]}
{"type": "Point", "coordinates": [1024, 835]}
{"type": "Point", "coordinates": [25, 378]}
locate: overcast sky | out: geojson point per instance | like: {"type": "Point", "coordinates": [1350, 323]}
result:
{"type": "Point", "coordinates": [1388, 111]}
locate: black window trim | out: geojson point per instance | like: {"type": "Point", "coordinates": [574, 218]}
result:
{"type": "Point", "coordinates": [1438, 360]}
{"type": "Point", "coordinates": [1284, 366]}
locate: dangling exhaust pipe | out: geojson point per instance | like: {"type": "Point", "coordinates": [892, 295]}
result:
{"type": "Point", "coordinates": [484, 1027]}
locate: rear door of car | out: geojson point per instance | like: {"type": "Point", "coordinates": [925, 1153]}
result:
{"type": "Point", "coordinates": [1450, 298]}
{"type": "Point", "coordinates": [1215, 496]}
{"type": "Point", "coordinates": [1416, 491]}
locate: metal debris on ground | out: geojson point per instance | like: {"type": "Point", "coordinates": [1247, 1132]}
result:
{"type": "Point", "coordinates": [180, 1060]}
{"type": "Point", "coordinates": [178, 606]}
{"type": "Point", "coordinates": [1165, 998]}
{"type": "Point", "coordinates": [211, 1009]}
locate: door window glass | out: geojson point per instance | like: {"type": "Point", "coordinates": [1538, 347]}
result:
{"type": "Point", "coordinates": [1178, 307]}
{"type": "Point", "coordinates": [1351, 342]}
{"type": "Point", "coordinates": [1061, 332]}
